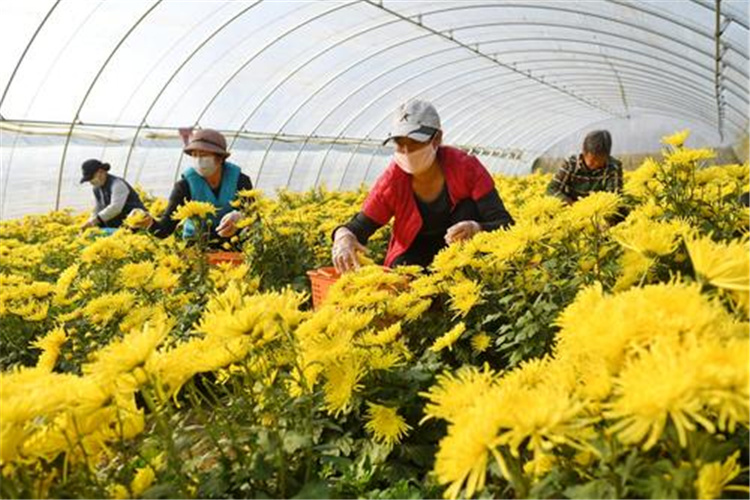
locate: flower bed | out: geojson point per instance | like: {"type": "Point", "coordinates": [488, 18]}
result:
{"type": "Point", "coordinates": [590, 351]}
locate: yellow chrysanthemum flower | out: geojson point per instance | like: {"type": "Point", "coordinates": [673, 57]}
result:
{"type": "Point", "coordinates": [480, 342]}
{"type": "Point", "coordinates": [677, 139]}
{"type": "Point", "coordinates": [449, 338]}
{"type": "Point", "coordinates": [135, 219]}
{"type": "Point", "coordinates": [342, 381]}
{"type": "Point", "coordinates": [136, 274]}
{"type": "Point", "coordinates": [685, 156]}
{"type": "Point", "coordinates": [463, 455]}
{"type": "Point", "coordinates": [454, 393]}
{"type": "Point", "coordinates": [464, 295]}
{"type": "Point", "coordinates": [197, 209]}
{"type": "Point", "coordinates": [591, 212]}
{"type": "Point", "coordinates": [724, 265]}
{"type": "Point", "coordinates": [102, 309]}
{"type": "Point", "coordinates": [385, 424]}
{"type": "Point", "coordinates": [50, 345]}
{"type": "Point", "coordinates": [714, 477]}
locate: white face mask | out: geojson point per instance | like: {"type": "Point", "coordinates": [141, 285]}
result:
{"type": "Point", "coordinates": [416, 162]}
{"type": "Point", "coordinates": [205, 165]}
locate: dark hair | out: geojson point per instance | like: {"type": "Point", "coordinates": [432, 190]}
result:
{"type": "Point", "coordinates": [598, 143]}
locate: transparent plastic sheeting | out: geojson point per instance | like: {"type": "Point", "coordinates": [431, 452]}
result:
{"type": "Point", "coordinates": [305, 90]}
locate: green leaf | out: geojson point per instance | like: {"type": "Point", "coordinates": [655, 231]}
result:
{"type": "Point", "coordinates": [314, 489]}
{"type": "Point", "coordinates": [598, 488]}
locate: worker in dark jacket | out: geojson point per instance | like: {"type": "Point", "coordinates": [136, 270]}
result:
{"type": "Point", "coordinates": [115, 198]}
{"type": "Point", "coordinates": [212, 179]}
{"type": "Point", "coordinates": [435, 194]}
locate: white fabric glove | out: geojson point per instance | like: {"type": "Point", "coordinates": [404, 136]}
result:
{"type": "Point", "coordinates": [344, 250]}
{"type": "Point", "coordinates": [464, 230]}
{"type": "Point", "coordinates": [228, 224]}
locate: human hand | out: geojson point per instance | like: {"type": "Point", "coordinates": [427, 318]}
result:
{"type": "Point", "coordinates": [464, 230]}
{"type": "Point", "coordinates": [228, 224]}
{"type": "Point", "coordinates": [139, 219]}
{"type": "Point", "coordinates": [91, 222]}
{"type": "Point", "coordinates": [344, 250]}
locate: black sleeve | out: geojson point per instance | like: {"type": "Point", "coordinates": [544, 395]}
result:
{"type": "Point", "coordinates": [362, 226]}
{"type": "Point", "coordinates": [166, 225]}
{"type": "Point", "coordinates": [244, 182]}
{"type": "Point", "coordinates": [492, 212]}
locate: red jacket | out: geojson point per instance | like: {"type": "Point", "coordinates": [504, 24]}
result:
{"type": "Point", "coordinates": [393, 196]}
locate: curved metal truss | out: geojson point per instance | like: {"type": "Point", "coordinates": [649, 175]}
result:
{"type": "Point", "coordinates": [509, 78]}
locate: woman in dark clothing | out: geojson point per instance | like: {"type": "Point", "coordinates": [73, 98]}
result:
{"type": "Point", "coordinates": [115, 198]}
{"type": "Point", "coordinates": [436, 195]}
{"type": "Point", "coordinates": [213, 180]}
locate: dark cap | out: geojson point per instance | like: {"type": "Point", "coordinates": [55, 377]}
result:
{"type": "Point", "coordinates": [90, 167]}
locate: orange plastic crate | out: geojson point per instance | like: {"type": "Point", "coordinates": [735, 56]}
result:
{"type": "Point", "coordinates": [234, 258]}
{"type": "Point", "coordinates": [321, 280]}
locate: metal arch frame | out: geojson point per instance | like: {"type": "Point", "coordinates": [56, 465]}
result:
{"type": "Point", "coordinates": [677, 82]}
{"type": "Point", "coordinates": [174, 74]}
{"type": "Point", "coordinates": [524, 23]}
{"type": "Point", "coordinates": [717, 70]}
{"type": "Point", "coordinates": [473, 49]}
{"type": "Point", "coordinates": [666, 98]}
{"type": "Point", "coordinates": [258, 53]}
{"type": "Point", "coordinates": [333, 110]}
{"type": "Point", "coordinates": [6, 180]}
{"type": "Point", "coordinates": [631, 79]}
{"type": "Point", "coordinates": [179, 99]}
{"type": "Point", "coordinates": [305, 63]}
{"type": "Point", "coordinates": [605, 33]}
{"type": "Point", "coordinates": [369, 82]}
{"type": "Point", "coordinates": [736, 19]}
{"type": "Point", "coordinates": [491, 78]}
{"type": "Point", "coordinates": [572, 40]}
{"type": "Point", "coordinates": [617, 58]}
{"type": "Point", "coordinates": [630, 72]}
{"type": "Point", "coordinates": [146, 75]}
{"type": "Point", "coordinates": [589, 14]}
{"type": "Point", "coordinates": [448, 105]}
{"type": "Point", "coordinates": [567, 26]}
{"type": "Point", "coordinates": [525, 135]}
{"type": "Point", "coordinates": [589, 62]}
{"type": "Point", "coordinates": [577, 131]}
{"type": "Point", "coordinates": [26, 50]}
{"type": "Point", "coordinates": [353, 153]}
{"type": "Point", "coordinates": [88, 92]}
{"type": "Point", "coordinates": [450, 90]}
{"type": "Point", "coordinates": [472, 138]}
{"type": "Point", "coordinates": [351, 93]}
{"type": "Point", "coordinates": [399, 84]}
{"type": "Point", "coordinates": [672, 96]}
{"type": "Point", "coordinates": [695, 121]}
{"type": "Point", "coordinates": [729, 45]}
{"type": "Point", "coordinates": [640, 77]}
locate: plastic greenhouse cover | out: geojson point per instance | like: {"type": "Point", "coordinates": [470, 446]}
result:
{"type": "Point", "coordinates": [304, 91]}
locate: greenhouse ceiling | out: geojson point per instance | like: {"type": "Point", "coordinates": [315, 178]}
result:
{"type": "Point", "coordinates": [304, 91]}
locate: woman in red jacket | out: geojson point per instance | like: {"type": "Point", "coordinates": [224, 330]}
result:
{"type": "Point", "coordinates": [436, 195]}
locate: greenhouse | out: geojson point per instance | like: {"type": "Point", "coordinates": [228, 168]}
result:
{"type": "Point", "coordinates": [374, 249]}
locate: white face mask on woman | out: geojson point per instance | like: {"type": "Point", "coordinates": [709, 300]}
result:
{"type": "Point", "coordinates": [416, 162]}
{"type": "Point", "coordinates": [205, 165]}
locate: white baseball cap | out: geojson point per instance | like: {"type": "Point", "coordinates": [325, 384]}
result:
{"type": "Point", "coordinates": [415, 119]}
